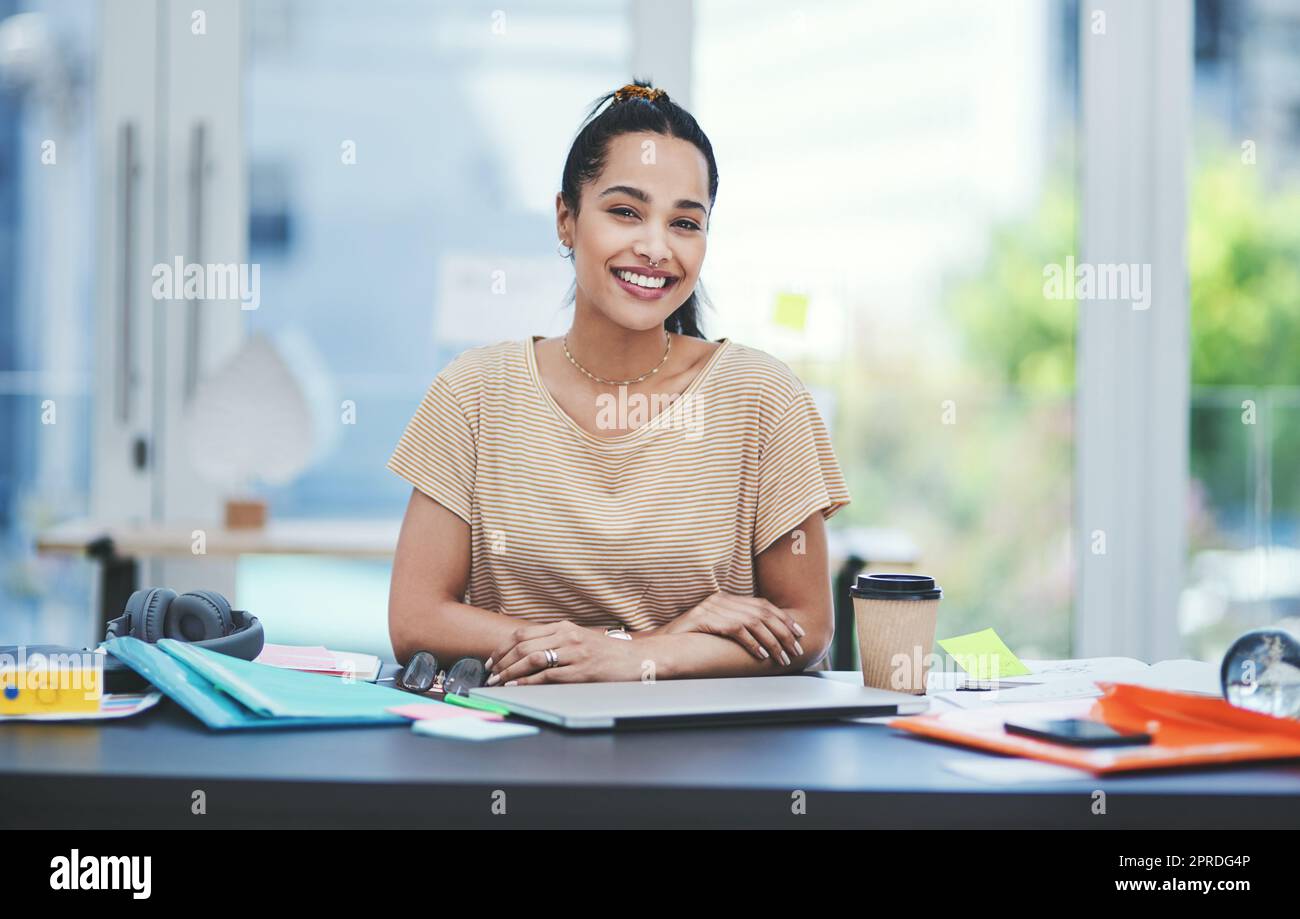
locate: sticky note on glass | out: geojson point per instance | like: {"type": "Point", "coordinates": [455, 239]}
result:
{"type": "Point", "coordinates": [791, 310]}
{"type": "Point", "coordinates": [984, 655]}
{"type": "Point", "coordinates": [472, 729]}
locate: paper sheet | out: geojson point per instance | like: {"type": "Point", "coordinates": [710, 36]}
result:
{"type": "Point", "coordinates": [1043, 671]}
{"type": "Point", "coordinates": [293, 655]}
{"type": "Point", "coordinates": [319, 659]}
{"type": "Point", "coordinates": [1175, 676]}
{"type": "Point", "coordinates": [112, 705]}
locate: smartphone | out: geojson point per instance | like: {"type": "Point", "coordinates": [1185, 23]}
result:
{"type": "Point", "coordinates": [1076, 732]}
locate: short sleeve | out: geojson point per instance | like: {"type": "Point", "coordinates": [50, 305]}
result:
{"type": "Point", "coordinates": [437, 451]}
{"type": "Point", "coordinates": [797, 473]}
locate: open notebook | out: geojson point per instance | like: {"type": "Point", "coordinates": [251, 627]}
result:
{"type": "Point", "coordinates": [225, 692]}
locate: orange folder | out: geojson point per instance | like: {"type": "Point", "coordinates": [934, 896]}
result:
{"type": "Point", "coordinates": [1186, 729]}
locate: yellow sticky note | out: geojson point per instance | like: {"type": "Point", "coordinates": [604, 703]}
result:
{"type": "Point", "coordinates": [984, 655]}
{"type": "Point", "coordinates": [791, 310]}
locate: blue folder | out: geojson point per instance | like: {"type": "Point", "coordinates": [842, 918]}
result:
{"type": "Point", "coordinates": [226, 693]}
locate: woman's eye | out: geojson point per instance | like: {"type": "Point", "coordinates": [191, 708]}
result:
{"type": "Point", "coordinates": [628, 212]}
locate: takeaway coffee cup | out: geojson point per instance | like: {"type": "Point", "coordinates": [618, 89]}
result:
{"type": "Point", "coordinates": [896, 616]}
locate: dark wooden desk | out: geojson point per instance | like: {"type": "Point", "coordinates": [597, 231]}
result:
{"type": "Point", "coordinates": [143, 771]}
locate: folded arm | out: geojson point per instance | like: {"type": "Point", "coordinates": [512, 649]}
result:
{"type": "Point", "coordinates": [425, 612]}
{"type": "Point", "coordinates": [792, 575]}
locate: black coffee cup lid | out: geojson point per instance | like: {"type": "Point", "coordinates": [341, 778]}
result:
{"type": "Point", "coordinates": [896, 587]}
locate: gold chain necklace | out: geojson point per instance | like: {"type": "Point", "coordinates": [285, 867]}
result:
{"type": "Point", "coordinates": [643, 376]}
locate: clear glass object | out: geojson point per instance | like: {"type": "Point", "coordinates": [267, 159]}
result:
{"type": "Point", "coordinates": [1261, 672]}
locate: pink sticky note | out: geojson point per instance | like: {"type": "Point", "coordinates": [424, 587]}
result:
{"type": "Point", "coordinates": [429, 711]}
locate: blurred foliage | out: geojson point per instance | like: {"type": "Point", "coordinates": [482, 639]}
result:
{"type": "Point", "coordinates": [1244, 260]}
{"type": "Point", "coordinates": [989, 498]}
{"type": "Point", "coordinates": [1008, 328]}
{"type": "Point", "coordinates": [1244, 248]}
{"type": "Point", "coordinates": [1244, 274]}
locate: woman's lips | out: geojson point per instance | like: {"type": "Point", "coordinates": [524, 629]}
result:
{"type": "Point", "coordinates": [644, 293]}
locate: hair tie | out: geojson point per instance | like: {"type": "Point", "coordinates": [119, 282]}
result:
{"type": "Point", "coordinates": [645, 92]}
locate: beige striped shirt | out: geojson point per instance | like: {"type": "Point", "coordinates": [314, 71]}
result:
{"type": "Point", "coordinates": [636, 528]}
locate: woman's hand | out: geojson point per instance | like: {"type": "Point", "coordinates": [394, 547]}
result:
{"type": "Point", "coordinates": [585, 656]}
{"type": "Point", "coordinates": [752, 622]}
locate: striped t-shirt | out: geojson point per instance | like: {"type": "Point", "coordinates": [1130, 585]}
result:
{"type": "Point", "coordinates": [637, 528]}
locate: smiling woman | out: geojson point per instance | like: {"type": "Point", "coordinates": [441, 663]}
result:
{"type": "Point", "coordinates": [541, 524]}
{"type": "Point", "coordinates": [661, 192]}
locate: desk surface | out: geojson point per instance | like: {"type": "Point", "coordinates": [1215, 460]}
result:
{"type": "Point", "coordinates": [358, 538]}
{"type": "Point", "coordinates": [353, 538]}
{"type": "Point", "coordinates": [143, 771]}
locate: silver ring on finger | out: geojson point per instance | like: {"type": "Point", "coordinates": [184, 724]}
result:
{"type": "Point", "coordinates": [552, 657]}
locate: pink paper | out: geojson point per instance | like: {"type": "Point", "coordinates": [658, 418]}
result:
{"type": "Point", "coordinates": [297, 658]}
{"type": "Point", "coordinates": [429, 711]}
{"type": "Point", "coordinates": [296, 649]}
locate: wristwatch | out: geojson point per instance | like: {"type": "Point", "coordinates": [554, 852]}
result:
{"type": "Point", "coordinates": [617, 631]}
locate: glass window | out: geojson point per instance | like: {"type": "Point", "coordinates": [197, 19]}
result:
{"type": "Point", "coordinates": [47, 222]}
{"type": "Point", "coordinates": [894, 179]}
{"type": "Point", "coordinates": [403, 161]}
{"type": "Point", "coordinates": [400, 153]}
{"type": "Point", "coordinates": [1244, 258]}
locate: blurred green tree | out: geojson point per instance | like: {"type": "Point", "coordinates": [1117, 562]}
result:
{"type": "Point", "coordinates": [1244, 274]}
{"type": "Point", "coordinates": [1244, 268]}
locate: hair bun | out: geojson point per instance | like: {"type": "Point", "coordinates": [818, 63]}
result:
{"type": "Point", "coordinates": [644, 92]}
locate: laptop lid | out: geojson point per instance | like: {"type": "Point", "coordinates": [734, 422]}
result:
{"type": "Point", "coordinates": [728, 700]}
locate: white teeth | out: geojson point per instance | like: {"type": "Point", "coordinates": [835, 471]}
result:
{"type": "Point", "coordinates": [641, 280]}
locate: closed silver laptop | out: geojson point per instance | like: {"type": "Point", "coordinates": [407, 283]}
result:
{"type": "Point", "coordinates": [730, 700]}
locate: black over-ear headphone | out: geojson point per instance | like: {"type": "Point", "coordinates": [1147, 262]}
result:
{"type": "Point", "coordinates": [201, 617]}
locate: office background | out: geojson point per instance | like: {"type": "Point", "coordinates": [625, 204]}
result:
{"type": "Point", "coordinates": [894, 179]}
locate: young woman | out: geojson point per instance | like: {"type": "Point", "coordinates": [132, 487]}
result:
{"type": "Point", "coordinates": [630, 500]}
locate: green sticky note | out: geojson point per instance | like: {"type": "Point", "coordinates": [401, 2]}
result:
{"type": "Point", "coordinates": [791, 310]}
{"type": "Point", "coordinates": [984, 655]}
{"type": "Point", "coordinates": [480, 704]}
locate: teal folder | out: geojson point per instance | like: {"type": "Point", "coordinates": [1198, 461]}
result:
{"type": "Point", "coordinates": [226, 693]}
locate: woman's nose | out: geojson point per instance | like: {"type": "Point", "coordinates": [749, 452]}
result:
{"type": "Point", "coordinates": [654, 249]}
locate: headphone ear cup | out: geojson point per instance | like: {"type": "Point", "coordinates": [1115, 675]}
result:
{"type": "Point", "coordinates": [154, 606]}
{"type": "Point", "coordinates": [222, 607]}
{"type": "Point", "coordinates": [199, 615]}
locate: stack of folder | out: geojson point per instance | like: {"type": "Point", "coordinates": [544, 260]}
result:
{"type": "Point", "coordinates": [1186, 729]}
{"type": "Point", "coordinates": [227, 693]}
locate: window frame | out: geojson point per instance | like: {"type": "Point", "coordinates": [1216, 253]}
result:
{"type": "Point", "coordinates": [1133, 366]}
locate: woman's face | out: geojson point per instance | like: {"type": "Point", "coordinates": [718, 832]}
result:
{"type": "Point", "coordinates": [650, 204]}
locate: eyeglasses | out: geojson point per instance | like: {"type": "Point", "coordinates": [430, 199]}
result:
{"type": "Point", "coordinates": [466, 674]}
{"type": "Point", "coordinates": [421, 675]}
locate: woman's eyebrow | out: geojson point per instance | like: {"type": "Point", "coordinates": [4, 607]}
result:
{"type": "Point", "coordinates": [682, 203]}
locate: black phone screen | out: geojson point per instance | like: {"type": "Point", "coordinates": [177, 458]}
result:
{"type": "Point", "coordinates": [1076, 732]}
